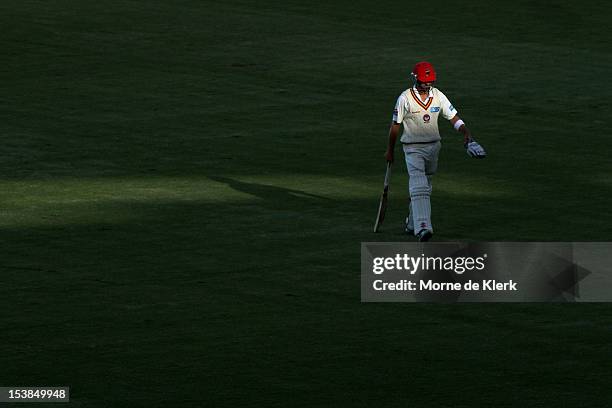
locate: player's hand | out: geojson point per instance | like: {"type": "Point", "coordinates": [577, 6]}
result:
{"type": "Point", "coordinates": [475, 150]}
{"type": "Point", "coordinates": [389, 156]}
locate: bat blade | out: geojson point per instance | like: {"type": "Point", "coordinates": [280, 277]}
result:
{"type": "Point", "coordinates": [382, 209]}
{"type": "Point", "coordinates": [382, 206]}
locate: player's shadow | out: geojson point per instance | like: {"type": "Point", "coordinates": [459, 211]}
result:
{"type": "Point", "coordinates": [277, 196]}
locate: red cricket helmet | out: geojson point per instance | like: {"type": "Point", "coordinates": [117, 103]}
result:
{"type": "Point", "coordinates": [424, 72]}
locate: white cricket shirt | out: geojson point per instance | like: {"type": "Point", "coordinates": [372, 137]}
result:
{"type": "Point", "coordinates": [420, 118]}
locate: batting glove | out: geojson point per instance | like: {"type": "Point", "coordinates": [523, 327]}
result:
{"type": "Point", "coordinates": [475, 150]}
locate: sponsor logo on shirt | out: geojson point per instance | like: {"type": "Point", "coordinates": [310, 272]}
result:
{"type": "Point", "coordinates": [415, 111]}
{"type": "Point", "coordinates": [435, 109]}
{"type": "Point", "coordinates": [451, 108]}
{"type": "Point", "coordinates": [426, 118]}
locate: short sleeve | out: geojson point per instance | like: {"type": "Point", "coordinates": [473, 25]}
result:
{"type": "Point", "coordinates": [447, 109]}
{"type": "Point", "coordinates": [400, 109]}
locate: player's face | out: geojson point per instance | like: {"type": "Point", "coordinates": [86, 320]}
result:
{"type": "Point", "coordinates": [424, 86]}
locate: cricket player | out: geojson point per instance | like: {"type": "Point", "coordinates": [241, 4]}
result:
{"type": "Point", "coordinates": [417, 110]}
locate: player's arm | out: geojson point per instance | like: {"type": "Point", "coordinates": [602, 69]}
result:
{"type": "Point", "coordinates": [460, 127]}
{"type": "Point", "coordinates": [449, 112]}
{"type": "Point", "coordinates": [396, 124]}
{"type": "Point", "coordinates": [394, 132]}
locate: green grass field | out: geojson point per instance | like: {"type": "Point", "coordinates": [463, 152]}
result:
{"type": "Point", "coordinates": [185, 186]}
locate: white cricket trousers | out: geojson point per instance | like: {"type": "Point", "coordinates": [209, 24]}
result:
{"type": "Point", "coordinates": [422, 163]}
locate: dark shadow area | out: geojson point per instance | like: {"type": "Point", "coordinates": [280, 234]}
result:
{"type": "Point", "coordinates": [277, 195]}
{"type": "Point", "coordinates": [182, 295]}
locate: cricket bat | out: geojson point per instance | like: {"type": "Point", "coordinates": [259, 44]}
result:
{"type": "Point", "coordinates": [382, 206]}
